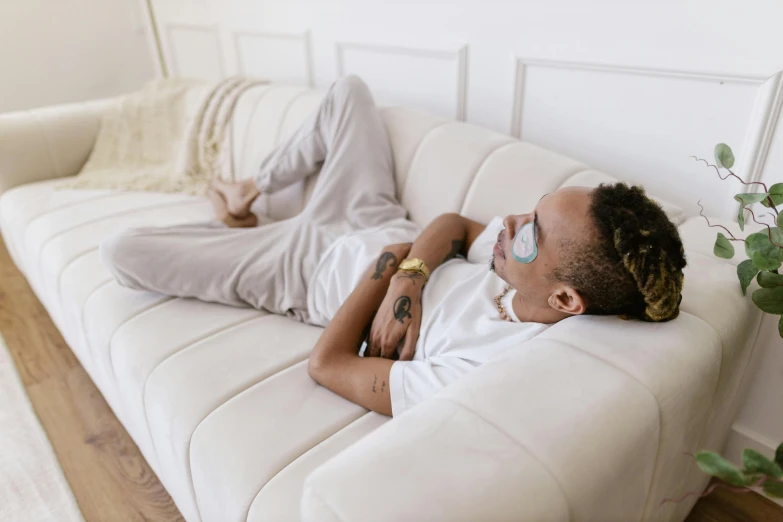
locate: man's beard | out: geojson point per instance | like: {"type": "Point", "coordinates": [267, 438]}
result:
{"type": "Point", "coordinates": [492, 264]}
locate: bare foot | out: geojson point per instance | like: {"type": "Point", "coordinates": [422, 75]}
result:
{"type": "Point", "coordinates": [221, 212]}
{"type": "Point", "coordinates": [239, 196]}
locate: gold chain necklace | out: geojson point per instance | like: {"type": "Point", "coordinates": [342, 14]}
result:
{"type": "Point", "coordinates": [501, 308]}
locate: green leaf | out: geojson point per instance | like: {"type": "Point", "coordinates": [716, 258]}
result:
{"type": "Point", "coordinates": [747, 198]}
{"type": "Point", "coordinates": [755, 462]}
{"type": "Point", "coordinates": [776, 194]}
{"type": "Point", "coordinates": [773, 488]}
{"type": "Point", "coordinates": [723, 248]}
{"type": "Point", "coordinates": [780, 329]}
{"type": "Point", "coordinates": [715, 465]}
{"type": "Point", "coordinates": [779, 451]}
{"type": "Point", "coordinates": [779, 220]}
{"type": "Point", "coordinates": [723, 156]}
{"type": "Point", "coordinates": [764, 254]}
{"type": "Point", "coordinates": [769, 300]}
{"type": "Point", "coordinates": [746, 271]}
{"type": "Point", "coordinates": [769, 279]}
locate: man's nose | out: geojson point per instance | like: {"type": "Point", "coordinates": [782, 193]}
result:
{"type": "Point", "coordinates": [512, 222]}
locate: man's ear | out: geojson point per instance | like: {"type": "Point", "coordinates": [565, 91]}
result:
{"type": "Point", "coordinates": [567, 300]}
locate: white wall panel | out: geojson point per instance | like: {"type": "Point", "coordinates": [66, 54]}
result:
{"type": "Point", "coordinates": [426, 79]}
{"type": "Point", "coordinates": [641, 125]}
{"type": "Point", "coordinates": [194, 51]}
{"type": "Point", "coordinates": [278, 57]}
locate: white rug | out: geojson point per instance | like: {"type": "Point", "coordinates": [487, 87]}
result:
{"type": "Point", "coordinates": [32, 485]}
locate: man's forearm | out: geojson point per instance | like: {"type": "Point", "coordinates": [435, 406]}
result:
{"type": "Point", "coordinates": [443, 239]}
{"type": "Point", "coordinates": [349, 327]}
{"type": "Point", "coordinates": [334, 362]}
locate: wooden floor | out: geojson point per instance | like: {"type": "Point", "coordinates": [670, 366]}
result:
{"type": "Point", "coordinates": [108, 475]}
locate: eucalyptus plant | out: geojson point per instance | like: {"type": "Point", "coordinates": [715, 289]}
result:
{"type": "Point", "coordinates": [764, 249]}
{"type": "Point", "coordinates": [765, 256]}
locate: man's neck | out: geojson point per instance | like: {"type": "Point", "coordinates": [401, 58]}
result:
{"type": "Point", "coordinates": [526, 312]}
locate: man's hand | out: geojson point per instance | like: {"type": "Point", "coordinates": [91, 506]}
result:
{"type": "Point", "coordinates": [398, 319]}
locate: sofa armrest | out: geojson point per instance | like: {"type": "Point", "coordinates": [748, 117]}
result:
{"type": "Point", "coordinates": [47, 143]}
{"type": "Point", "coordinates": [557, 430]}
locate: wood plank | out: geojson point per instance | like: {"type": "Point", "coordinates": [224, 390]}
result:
{"type": "Point", "coordinates": [724, 505]}
{"type": "Point", "coordinates": [36, 345]}
{"type": "Point", "coordinates": [105, 469]}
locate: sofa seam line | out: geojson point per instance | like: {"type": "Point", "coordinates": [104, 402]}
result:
{"type": "Point", "coordinates": [480, 166]}
{"type": "Point", "coordinates": [324, 502]}
{"type": "Point", "coordinates": [82, 320]}
{"type": "Point", "coordinates": [111, 216]}
{"type": "Point", "coordinates": [280, 470]}
{"type": "Point", "coordinates": [717, 380]}
{"type": "Point", "coordinates": [48, 240]}
{"type": "Point", "coordinates": [193, 433]}
{"type": "Point", "coordinates": [144, 310]}
{"type": "Point", "coordinates": [183, 348]}
{"type": "Point", "coordinates": [69, 205]}
{"type": "Point", "coordinates": [419, 145]}
{"type": "Point", "coordinates": [284, 114]}
{"type": "Point", "coordinates": [58, 286]}
{"type": "Point", "coordinates": [305, 453]}
{"type": "Point", "coordinates": [97, 287]}
{"type": "Point", "coordinates": [246, 137]}
{"type": "Point", "coordinates": [657, 402]}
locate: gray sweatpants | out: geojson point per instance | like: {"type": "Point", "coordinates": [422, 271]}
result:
{"type": "Point", "coordinates": [269, 267]}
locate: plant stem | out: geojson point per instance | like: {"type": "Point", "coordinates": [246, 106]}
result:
{"type": "Point", "coordinates": [769, 198]}
{"type": "Point", "coordinates": [763, 185]}
{"type": "Point", "coordinates": [769, 229]}
{"type": "Point", "coordinates": [732, 238]}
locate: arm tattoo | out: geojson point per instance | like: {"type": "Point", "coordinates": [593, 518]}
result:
{"type": "Point", "coordinates": [402, 308]}
{"type": "Point", "coordinates": [374, 381]}
{"type": "Point", "coordinates": [456, 247]}
{"type": "Point", "coordinates": [383, 386]}
{"type": "Point", "coordinates": [383, 262]}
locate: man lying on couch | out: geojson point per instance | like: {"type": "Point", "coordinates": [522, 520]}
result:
{"type": "Point", "coordinates": [427, 298]}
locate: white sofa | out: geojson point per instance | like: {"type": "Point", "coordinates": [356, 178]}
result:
{"type": "Point", "coordinates": [589, 421]}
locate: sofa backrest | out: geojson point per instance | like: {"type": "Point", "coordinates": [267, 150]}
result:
{"type": "Point", "coordinates": [440, 165]}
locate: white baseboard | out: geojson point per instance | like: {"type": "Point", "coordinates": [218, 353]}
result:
{"type": "Point", "coordinates": [740, 438]}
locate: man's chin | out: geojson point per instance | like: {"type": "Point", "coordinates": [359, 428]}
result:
{"type": "Point", "coordinates": [494, 268]}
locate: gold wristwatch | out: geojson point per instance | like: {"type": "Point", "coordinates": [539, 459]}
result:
{"type": "Point", "coordinates": [414, 265]}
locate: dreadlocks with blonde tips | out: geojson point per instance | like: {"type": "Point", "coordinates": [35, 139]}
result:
{"type": "Point", "coordinates": [634, 270]}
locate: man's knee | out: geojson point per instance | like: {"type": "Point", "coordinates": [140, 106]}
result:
{"type": "Point", "coordinates": [117, 250]}
{"type": "Point", "coordinates": [351, 87]}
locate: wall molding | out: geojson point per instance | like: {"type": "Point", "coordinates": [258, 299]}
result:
{"type": "Point", "coordinates": [460, 56]}
{"type": "Point", "coordinates": [760, 132]}
{"type": "Point", "coordinates": [303, 37]}
{"type": "Point", "coordinates": [756, 143]}
{"type": "Point", "coordinates": [171, 55]}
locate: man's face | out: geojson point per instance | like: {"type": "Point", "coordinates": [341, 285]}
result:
{"type": "Point", "coordinates": [559, 217]}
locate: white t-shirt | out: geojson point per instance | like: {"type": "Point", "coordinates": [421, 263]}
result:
{"type": "Point", "coordinates": [461, 326]}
